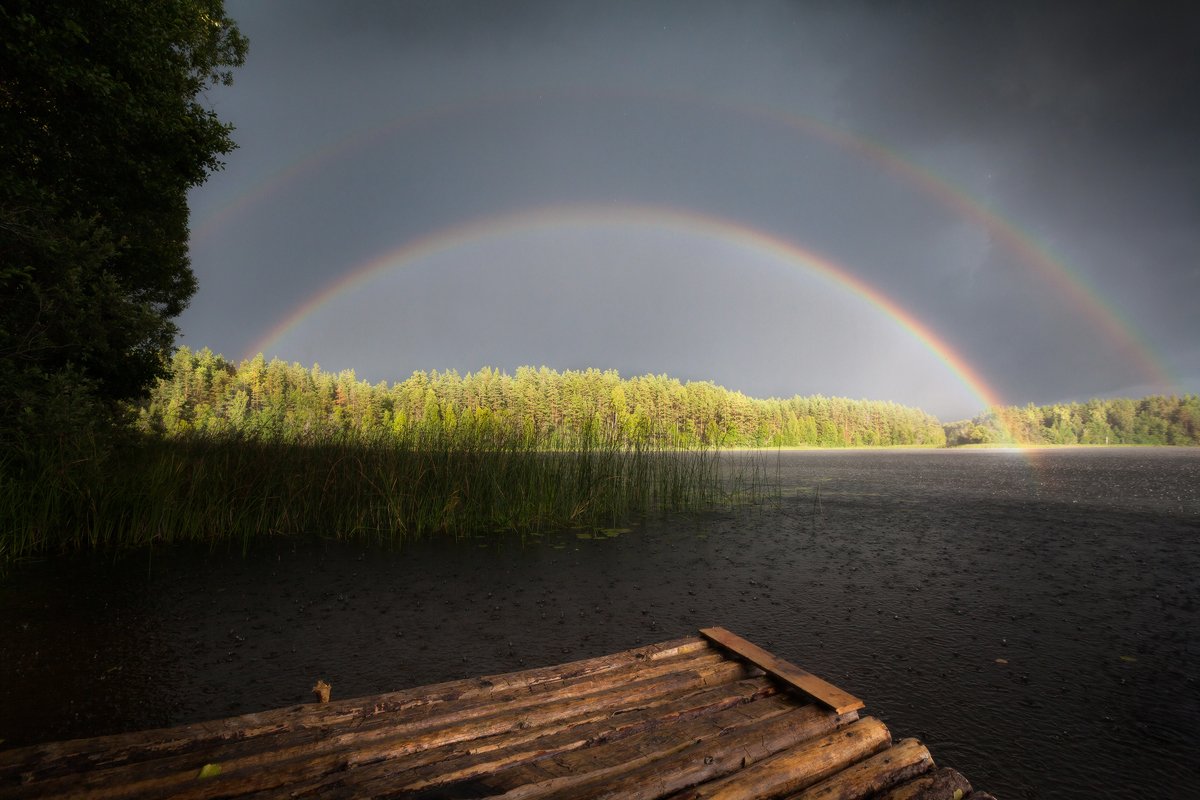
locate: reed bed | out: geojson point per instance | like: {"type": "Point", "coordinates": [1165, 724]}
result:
{"type": "Point", "coordinates": [388, 490]}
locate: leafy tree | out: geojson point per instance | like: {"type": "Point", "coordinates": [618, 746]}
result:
{"type": "Point", "coordinates": [101, 136]}
{"type": "Point", "coordinates": [1155, 420]}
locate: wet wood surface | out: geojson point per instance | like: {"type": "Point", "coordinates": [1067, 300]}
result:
{"type": "Point", "coordinates": [840, 701]}
{"type": "Point", "coordinates": [702, 717]}
{"type": "Point", "coordinates": [937, 784]}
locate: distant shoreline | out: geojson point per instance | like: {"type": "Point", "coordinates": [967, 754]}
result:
{"type": "Point", "coordinates": [928, 447]}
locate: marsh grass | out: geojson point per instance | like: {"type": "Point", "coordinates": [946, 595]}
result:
{"type": "Point", "coordinates": [222, 490]}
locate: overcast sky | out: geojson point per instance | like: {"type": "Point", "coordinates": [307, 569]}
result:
{"type": "Point", "coordinates": [629, 185]}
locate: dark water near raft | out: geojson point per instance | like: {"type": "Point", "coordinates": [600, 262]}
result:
{"type": "Point", "coordinates": [1035, 622]}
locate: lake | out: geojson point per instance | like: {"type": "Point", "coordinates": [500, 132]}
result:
{"type": "Point", "coordinates": [1034, 617]}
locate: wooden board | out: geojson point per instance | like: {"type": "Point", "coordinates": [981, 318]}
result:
{"type": "Point", "coordinates": [840, 701]}
{"type": "Point", "coordinates": [682, 720]}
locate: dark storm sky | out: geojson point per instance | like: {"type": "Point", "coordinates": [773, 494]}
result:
{"type": "Point", "coordinates": [926, 150]}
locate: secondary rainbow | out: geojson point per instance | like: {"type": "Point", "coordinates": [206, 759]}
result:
{"type": "Point", "coordinates": [1070, 284]}
{"type": "Point", "coordinates": [641, 216]}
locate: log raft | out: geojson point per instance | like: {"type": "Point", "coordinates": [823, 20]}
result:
{"type": "Point", "coordinates": [711, 716]}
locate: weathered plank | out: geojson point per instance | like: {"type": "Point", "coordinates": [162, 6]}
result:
{"type": "Point", "coordinates": [840, 701]}
{"type": "Point", "coordinates": [907, 759]}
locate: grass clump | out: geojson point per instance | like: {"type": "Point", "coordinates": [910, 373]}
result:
{"type": "Point", "coordinates": [221, 489]}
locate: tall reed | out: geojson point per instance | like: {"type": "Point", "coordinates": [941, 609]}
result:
{"type": "Point", "coordinates": [390, 489]}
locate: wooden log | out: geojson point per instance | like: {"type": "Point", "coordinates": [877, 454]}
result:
{"type": "Point", "coordinates": [37, 762]}
{"type": "Point", "coordinates": [270, 767]}
{"type": "Point", "coordinates": [840, 701]}
{"type": "Point", "coordinates": [261, 760]}
{"type": "Point", "coordinates": [659, 763]}
{"type": "Point", "coordinates": [940, 784]}
{"type": "Point", "coordinates": [905, 760]}
{"type": "Point", "coordinates": [800, 766]}
{"type": "Point", "coordinates": [461, 763]}
{"type": "Point", "coordinates": [589, 773]}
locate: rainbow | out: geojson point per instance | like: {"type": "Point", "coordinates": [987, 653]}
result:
{"type": "Point", "coordinates": [641, 216]}
{"type": "Point", "coordinates": [1067, 282]}
{"type": "Point", "coordinates": [292, 171]}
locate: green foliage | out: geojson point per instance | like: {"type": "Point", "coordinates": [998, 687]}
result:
{"type": "Point", "coordinates": [384, 488]}
{"type": "Point", "coordinates": [209, 771]}
{"type": "Point", "coordinates": [274, 401]}
{"type": "Point", "coordinates": [101, 136]}
{"type": "Point", "coordinates": [1155, 420]}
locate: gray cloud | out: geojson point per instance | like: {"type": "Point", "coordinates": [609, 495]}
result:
{"type": "Point", "coordinates": [1072, 122]}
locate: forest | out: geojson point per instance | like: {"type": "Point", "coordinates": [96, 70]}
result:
{"type": "Point", "coordinates": [206, 394]}
{"type": "Point", "coordinates": [273, 401]}
{"type": "Point", "coordinates": [1155, 420]}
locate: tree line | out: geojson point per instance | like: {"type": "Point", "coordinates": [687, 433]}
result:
{"type": "Point", "coordinates": [1155, 420]}
{"type": "Point", "coordinates": [206, 394]}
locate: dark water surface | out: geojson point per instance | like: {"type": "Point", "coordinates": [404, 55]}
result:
{"type": "Point", "coordinates": [1035, 619]}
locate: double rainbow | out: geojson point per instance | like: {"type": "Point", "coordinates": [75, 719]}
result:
{"type": "Point", "coordinates": [1067, 283]}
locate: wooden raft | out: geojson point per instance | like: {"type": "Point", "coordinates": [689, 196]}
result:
{"type": "Point", "coordinates": [704, 717]}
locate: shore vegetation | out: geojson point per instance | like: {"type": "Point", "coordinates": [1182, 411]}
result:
{"type": "Point", "coordinates": [226, 489]}
{"type": "Point", "coordinates": [1154, 420]}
